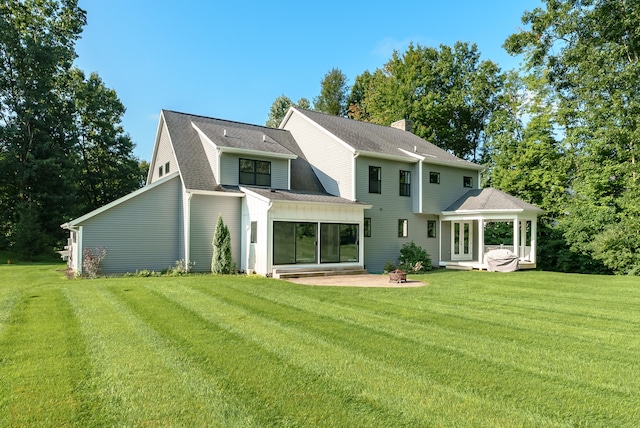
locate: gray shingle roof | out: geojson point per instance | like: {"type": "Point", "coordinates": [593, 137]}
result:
{"type": "Point", "coordinates": [490, 199]}
{"type": "Point", "coordinates": [192, 160]}
{"type": "Point", "coordinates": [292, 196]}
{"type": "Point", "coordinates": [193, 163]}
{"type": "Point", "coordinates": [244, 136]}
{"type": "Point", "coordinates": [365, 136]}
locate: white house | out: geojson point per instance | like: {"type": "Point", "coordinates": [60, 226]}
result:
{"type": "Point", "coordinates": [320, 192]}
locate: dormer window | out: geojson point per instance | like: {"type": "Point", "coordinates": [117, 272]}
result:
{"type": "Point", "coordinates": [255, 172]}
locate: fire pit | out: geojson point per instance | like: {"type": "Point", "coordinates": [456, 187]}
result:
{"type": "Point", "coordinates": [397, 276]}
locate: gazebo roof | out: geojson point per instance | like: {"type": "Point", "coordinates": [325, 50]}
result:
{"type": "Point", "coordinates": [490, 200]}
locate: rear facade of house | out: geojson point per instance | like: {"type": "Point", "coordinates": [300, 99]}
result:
{"type": "Point", "coordinates": [320, 192]}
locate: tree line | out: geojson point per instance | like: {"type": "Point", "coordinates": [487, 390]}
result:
{"type": "Point", "coordinates": [63, 151]}
{"type": "Point", "coordinates": [562, 132]}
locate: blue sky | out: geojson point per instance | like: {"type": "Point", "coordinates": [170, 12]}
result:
{"type": "Point", "coordinates": [231, 60]}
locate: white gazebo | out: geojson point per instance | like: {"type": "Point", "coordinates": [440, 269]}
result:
{"type": "Point", "coordinates": [462, 240]}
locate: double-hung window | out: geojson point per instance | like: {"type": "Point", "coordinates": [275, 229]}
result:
{"type": "Point", "coordinates": [375, 179]}
{"type": "Point", "coordinates": [405, 183]}
{"type": "Point", "coordinates": [255, 172]}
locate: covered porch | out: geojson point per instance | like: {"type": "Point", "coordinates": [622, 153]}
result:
{"type": "Point", "coordinates": [484, 220]}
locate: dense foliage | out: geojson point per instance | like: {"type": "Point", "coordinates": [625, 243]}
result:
{"type": "Point", "coordinates": [62, 150]}
{"type": "Point", "coordinates": [588, 54]}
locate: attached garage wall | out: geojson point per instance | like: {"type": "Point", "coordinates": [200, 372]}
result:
{"type": "Point", "coordinates": [140, 233]}
{"type": "Point", "coordinates": [204, 216]}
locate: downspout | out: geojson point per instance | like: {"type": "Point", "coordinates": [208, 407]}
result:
{"type": "Point", "coordinates": [353, 176]}
{"type": "Point", "coordinates": [187, 230]}
{"type": "Point", "coordinates": [269, 240]}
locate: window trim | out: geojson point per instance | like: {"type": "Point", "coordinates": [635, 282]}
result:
{"type": "Point", "coordinates": [432, 229]}
{"type": "Point", "coordinates": [160, 173]}
{"type": "Point", "coordinates": [403, 228]}
{"type": "Point", "coordinates": [377, 188]}
{"type": "Point", "coordinates": [166, 168]}
{"type": "Point", "coordinates": [467, 181]}
{"type": "Point", "coordinates": [433, 174]}
{"type": "Point", "coordinates": [255, 174]}
{"type": "Point", "coordinates": [367, 227]}
{"type": "Point", "coordinates": [405, 188]}
{"type": "Point", "coordinates": [254, 232]}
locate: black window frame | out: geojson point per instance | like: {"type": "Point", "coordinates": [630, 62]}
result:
{"type": "Point", "coordinates": [375, 179]}
{"type": "Point", "coordinates": [432, 229]}
{"type": "Point", "coordinates": [166, 168]}
{"type": "Point", "coordinates": [434, 177]}
{"type": "Point", "coordinates": [160, 172]}
{"type": "Point", "coordinates": [405, 187]}
{"type": "Point", "coordinates": [254, 232]}
{"type": "Point", "coordinates": [251, 176]}
{"type": "Point", "coordinates": [467, 181]}
{"type": "Point", "coordinates": [367, 227]}
{"type": "Point", "coordinates": [403, 228]}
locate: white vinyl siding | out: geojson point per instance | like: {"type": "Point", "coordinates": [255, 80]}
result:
{"type": "Point", "coordinates": [437, 197]}
{"type": "Point", "coordinates": [204, 216]}
{"type": "Point", "coordinates": [331, 160]}
{"type": "Point", "coordinates": [141, 233]}
{"type": "Point", "coordinates": [164, 154]}
{"type": "Point", "coordinates": [230, 170]}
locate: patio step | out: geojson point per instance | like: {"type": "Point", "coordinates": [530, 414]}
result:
{"type": "Point", "coordinates": [310, 272]}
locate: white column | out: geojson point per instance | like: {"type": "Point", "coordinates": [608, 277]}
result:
{"type": "Point", "coordinates": [534, 232]}
{"type": "Point", "coordinates": [523, 238]}
{"type": "Point", "coordinates": [481, 241]}
{"type": "Point", "coordinates": [516, 237]}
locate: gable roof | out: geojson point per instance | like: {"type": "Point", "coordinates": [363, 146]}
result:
{"type": "Point", "coordinates": [185, 132]}
{"type": "Point", "coordinates": [192, 160]}
{"type": "Point", "coordinates": [490, 199]}
{"type": "Point", "coordinates": [382, 140]}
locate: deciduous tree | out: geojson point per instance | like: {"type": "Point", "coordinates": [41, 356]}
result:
{"type": "Point", "coordinates": [448, 93]}
{"type": "Point", "coordinates": [333, 94]}
{"type": "Point", "coordinates": [590, 51]}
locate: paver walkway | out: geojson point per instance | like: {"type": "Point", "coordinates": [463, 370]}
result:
{"type": "Point", "coordinates": [365, 280]}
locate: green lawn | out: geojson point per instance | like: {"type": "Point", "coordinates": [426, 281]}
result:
{"type": "Point", "coordinates": [470, 349]}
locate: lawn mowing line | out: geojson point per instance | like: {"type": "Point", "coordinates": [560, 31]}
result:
{"type": "Point", "coordinates": [330, 358]}
{"type": "Point", "coordinates": [490, 312]}
{"type": "Point", "coordinates": [45, 367]}
{"type": "Point", "coordinates": [142, 380]}
{"type": "Point", "coordinates": [509, 351]}
{"type": "Point", "coordinates": [271, 384]}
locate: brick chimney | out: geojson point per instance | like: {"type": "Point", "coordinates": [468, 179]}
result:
{"type": "Point", "coordinates": [404, 124]}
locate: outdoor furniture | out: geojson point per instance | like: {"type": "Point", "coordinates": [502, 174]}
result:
{"type": "Point", "coordinates": [397, 276]}
{"type": "Point", "coordinates": [501, 260]}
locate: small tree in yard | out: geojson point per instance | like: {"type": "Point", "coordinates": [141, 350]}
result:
{"type": "Point", "coordinates": [414, 259]}
{"type": "Point", "coordinates": [222, 261]}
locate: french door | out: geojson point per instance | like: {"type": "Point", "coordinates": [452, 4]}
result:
{"type": "Point", "coordinates": [461, 240]}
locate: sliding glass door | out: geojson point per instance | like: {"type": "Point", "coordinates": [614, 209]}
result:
{"type": "Point", "coordinates": [297, 242]}
{"type": "Point", "coordinates": [294, 242]}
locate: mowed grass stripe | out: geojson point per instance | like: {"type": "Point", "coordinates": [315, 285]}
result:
{"type": "Point", "coordinates": [138, 378]}
{"type": "Point", "coordinates": [567, 374]}
{"type": "Point", "coordinates": [403, 388]}
{"type": "Point", "coordinates": [43, 366]}
{"type": "Point", "coordinates": [508, 340]}
{"type": "Point", "coordinates": [274, 389]}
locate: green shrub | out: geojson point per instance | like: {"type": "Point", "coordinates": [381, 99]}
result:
{"type": "Point", "coordinates": [414, 259]}
{"type": "Point", "coordinates": [222, 260]}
